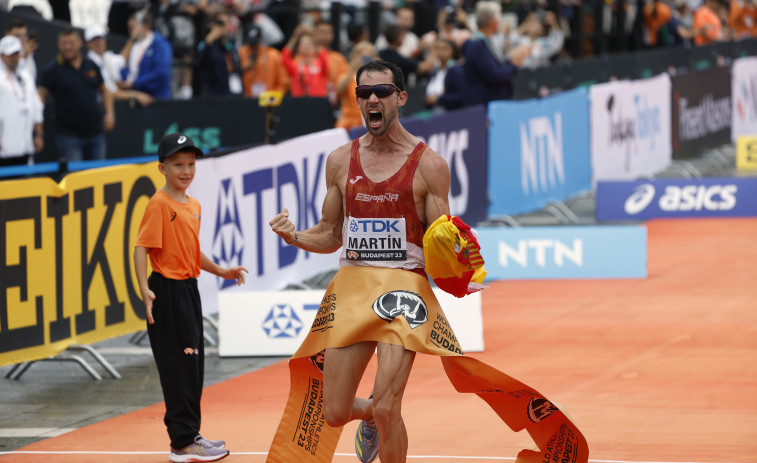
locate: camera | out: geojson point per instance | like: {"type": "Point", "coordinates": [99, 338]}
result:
{"type": "Point", "coordinates": [270, 99]}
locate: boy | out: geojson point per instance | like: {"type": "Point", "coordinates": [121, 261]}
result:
{"type": "Point", "coordinates": [169, 233]}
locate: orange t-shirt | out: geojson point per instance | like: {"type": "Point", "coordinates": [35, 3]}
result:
{"type": "Point", "coordinates": [268, 74]}
{"type": "Point", "coordinates": [170, 231]}
{"type": "Point", "coordinates": [350, 115]}
{"type": "Point", "coordinates": [653, 21]}
{"type": "Point", "coordinates": [743, 20]}
{"type": "Point", "coordinates": [706, 17]}
{"type": "Point", "coordinates": [338, 66]}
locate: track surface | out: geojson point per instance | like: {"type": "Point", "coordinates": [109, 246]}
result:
{"type": "Point", "coordinates": [656, 370]}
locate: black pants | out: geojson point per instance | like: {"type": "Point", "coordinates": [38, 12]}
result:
{"type": "Point", "coordinates": [178, 347]}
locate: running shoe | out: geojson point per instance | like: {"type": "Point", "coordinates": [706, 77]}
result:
{"type": "Point", "coordinates": [200, 450]}
{"type": "Point", "coordinates": [367, 441]}
{"type": "Point", "coordinates": [219, 444]}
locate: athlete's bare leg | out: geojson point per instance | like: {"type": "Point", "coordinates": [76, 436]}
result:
{"type": "Point", "coordinates": [343, 368]}
{"type": "Point", "coordinates": [394, 365]}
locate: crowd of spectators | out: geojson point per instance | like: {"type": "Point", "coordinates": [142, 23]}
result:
{"type": "Point", "coordinates": [183, 49]}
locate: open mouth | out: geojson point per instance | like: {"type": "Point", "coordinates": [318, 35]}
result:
{"type": "Point", "coordinates": [375, 118]}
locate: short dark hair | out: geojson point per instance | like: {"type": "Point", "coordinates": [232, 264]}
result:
{"type": "Point", "coordinates": [69, 30]}
{"type": "Point", "coordinates": [14, 24]}
{"type": "Point", "coordinates": [398, 78]}
{"type": "Point", "coordinates": [355, 31]}
{"type": "Point", "coordinates": [393, 33]}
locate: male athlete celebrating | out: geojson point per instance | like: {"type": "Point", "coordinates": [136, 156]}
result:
{"type": "Point", "coordinates": [383, 190]}
{"type": "Point", "coordinates": [397, 177]}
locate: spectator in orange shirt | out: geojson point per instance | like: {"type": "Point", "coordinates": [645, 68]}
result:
{"type": "Point", "coordinates": [743, 19]}
{"type": "Point", "coordinates": [707, 25]}
{"type": "Point", "coordinates": [323, 33]}
{"type": "Point", "coordinates": [262, 66]}
{"type": "Point", "coordinates": [656, 15]}
{"type": "Point", "coordinates": [307, 66]}
{"type": "Point", "coordinates": [350, 115]}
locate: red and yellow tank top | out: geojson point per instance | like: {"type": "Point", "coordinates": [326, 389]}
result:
{"type": "Point", "coordinates": [381, 224]}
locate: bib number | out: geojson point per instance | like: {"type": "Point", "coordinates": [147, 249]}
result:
{"type": "Point", "coordinates": [376, 239]}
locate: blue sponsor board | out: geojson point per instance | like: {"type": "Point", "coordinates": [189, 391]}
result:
{"type": "Point", "coordinates": [460, 138]}
{"type": "Point", "coordinates": [648, 199]}
{"type": "Point", "coordinates": [564, 252]}
{"type": "Point", "coordinates": [539, 152]}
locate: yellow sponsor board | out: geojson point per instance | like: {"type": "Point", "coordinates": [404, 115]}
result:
{"type": "Point", "coordinates": [746, 153]}
{"type": "Point", "coordinates": [66, 272]}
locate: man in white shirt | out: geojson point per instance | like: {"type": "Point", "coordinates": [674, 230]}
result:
{"type": "Point", "coordinates": [21, 131]}
{"type": "Point", "coordinates": [111, 64]}
{"type": "Point", "coordinates": [17, 28]}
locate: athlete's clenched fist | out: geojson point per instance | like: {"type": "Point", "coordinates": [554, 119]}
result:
{"type": "Point", "coordinates": [283, 227]}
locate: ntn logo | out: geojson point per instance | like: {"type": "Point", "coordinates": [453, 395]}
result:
{"type": "Point", "coordinates": [539, 249]}
{"type": "Point", "coordinates": [541, 154]}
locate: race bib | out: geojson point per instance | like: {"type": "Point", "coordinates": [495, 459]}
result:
{"type": "Point", "coordinates": [376, 239]}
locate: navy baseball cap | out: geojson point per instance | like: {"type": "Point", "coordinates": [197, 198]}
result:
{"type": "Point", "coordinates": [175, 142]}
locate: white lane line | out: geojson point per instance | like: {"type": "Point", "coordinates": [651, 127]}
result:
{"type": "Point", "coordinates": [33, 432]}
{"type": "Point", "coordinates": [352, 455]}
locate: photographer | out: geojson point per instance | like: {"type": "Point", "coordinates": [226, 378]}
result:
{"type": "Point", "coordinates": [218, 64]}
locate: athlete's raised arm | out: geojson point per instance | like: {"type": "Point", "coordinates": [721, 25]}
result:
{"type": "Point", "coordinates": [435, 174]}
{"type": "Point", "coordinates": [325, 236]}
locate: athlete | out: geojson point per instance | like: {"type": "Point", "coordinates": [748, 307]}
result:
{"type": "Point", "coordinates": [386, 174]}
{"type": "Point", "coordinates": [386, 195]}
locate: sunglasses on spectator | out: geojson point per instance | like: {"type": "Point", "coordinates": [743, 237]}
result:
{"type": "Point", "coordinates": [381, 90]}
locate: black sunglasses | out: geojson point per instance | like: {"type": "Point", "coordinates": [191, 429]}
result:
{"type": "Point", "coordinates": [381, 90]}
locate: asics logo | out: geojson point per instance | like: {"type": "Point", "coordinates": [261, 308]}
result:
{"type": "Point", "coordinates": [640, 199]}
{"type": "Point", "coordinates": [173, 216]}
{"type": "Point", "coordinates": [181, 139]}
{"type": "Point", "coordinates": [353, 180]}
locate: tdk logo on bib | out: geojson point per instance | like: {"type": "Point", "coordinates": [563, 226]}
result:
{"type": "Point", "coordinates": [374, 226]}
{"type": "Point", "coordinates": [709, 197]}
{"type": "Point", "coordinates": [376, 239]}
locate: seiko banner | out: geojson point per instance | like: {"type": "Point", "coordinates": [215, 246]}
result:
{"type": "Point", "coordinates": [744, 97]}
{"type": "Point", "coordinates": [538, 152]}
{"type": "Point", "coordinates": [701, 111]}
{"type": "Point", "coordinates": [706, 197]}
{"type": "Point", "coordinates": [276, 322]}
{"type": "Point", "coordinates": [630, 128]}
{"type": "Point", "coordinates": [564, 252]}
{"type": "Point", "coordinates": [241, 192]}
{"type": "Point", "coordinates": [460, 138]}
{"type": "Point", "coordinates": [66, 270]}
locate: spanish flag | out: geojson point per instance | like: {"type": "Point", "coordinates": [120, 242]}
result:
{"type": "Point", "coordinates": [453, 256]}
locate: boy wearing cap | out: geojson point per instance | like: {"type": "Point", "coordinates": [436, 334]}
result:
{"type": "Point", "coordinates": [169, 234]}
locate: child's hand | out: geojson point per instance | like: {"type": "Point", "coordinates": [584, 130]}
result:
{"type": "Point", "coordinates": [148, 296]}
{"type": "Point", "coordinates": [235, 273]}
